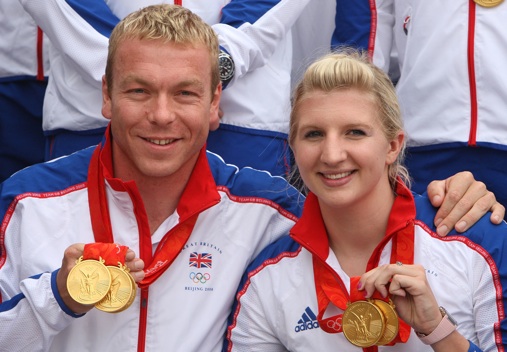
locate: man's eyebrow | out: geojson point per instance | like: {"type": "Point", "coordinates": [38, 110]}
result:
{"type": "Point", "coordinates": [190, 83]}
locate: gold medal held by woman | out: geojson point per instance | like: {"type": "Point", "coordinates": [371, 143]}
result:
{"type": "Point", "coordinates": [363, 323]}
{"type": "Point", "coordinates": [488, 3]}
{"type": "Point", "coordinates": [370, 323]}
{"type": "Point", "coordinates": [392, 324]}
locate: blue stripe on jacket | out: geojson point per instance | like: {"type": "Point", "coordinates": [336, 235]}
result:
{"type": "Point", "coordinates": [97, 14]}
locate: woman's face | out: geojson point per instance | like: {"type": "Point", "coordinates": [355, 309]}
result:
{"type": "Point", "coordinates": [340, 147]}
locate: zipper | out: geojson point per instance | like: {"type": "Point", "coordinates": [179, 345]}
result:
{"type": "Point", "coordinates": [472, 138]}
{"type": "Point", "coordinates": [143, 316]}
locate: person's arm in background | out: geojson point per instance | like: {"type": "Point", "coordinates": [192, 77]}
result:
{"type": "Point", "coordinates": [250, 30]}
{"type": "Point", "coordinates": [75, 27]}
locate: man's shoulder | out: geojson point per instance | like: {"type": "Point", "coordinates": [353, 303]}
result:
{"type": "Point", "coordinates": [48, 177]}
{"type": "Point", "coordinates": [248, 183]}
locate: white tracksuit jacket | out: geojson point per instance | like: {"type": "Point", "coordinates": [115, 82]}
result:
{"type": "Point", "coordinates": [276, 305]}
{"type": "Point", "coordinates": [45, 208]}
{"type": "Point", "coordinates": [452, 86]}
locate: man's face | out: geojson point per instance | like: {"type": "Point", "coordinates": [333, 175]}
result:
{"type": "Point", "coordinates": [161, 107]}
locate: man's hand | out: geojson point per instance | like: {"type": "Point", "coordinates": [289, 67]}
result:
{"type": "Point", "coordinates": [462, 201]}
{"type": "Point", "coordinates": [71, 255]}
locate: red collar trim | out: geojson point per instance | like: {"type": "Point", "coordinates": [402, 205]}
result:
{"type": "Point", "coordinates": [200, 192]}
{"type": "Point", "coordinates": [310, 230]}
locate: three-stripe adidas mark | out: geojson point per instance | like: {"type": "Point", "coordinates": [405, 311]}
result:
{"type": "Point", "coordinates": [308, 321]}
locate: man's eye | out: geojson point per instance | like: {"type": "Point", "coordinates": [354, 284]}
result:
{"type": "Point", "coordinates": [137, 90]}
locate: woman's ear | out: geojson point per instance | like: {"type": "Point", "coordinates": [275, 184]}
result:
{"type": "Point", "coordinates": [395, 147]}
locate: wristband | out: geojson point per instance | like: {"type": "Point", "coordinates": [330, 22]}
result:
{"type": "Point", "coordinates": [446, 326]}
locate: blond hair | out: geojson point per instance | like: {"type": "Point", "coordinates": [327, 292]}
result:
{"type": "Point", "coordinates": [169, 23]}
{"type": "Point", "coordinates": [350, 68]}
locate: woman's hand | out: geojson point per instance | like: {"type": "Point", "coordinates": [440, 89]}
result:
{"type": "Point", "coordinates": [410, 292]}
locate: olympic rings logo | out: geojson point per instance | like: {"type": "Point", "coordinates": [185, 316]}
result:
{"type": "Point", "coordinates": [335, 325]}
{"type": "Point", "coordinates": [199, 277]}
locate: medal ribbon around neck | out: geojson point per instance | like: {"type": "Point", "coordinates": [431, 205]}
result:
{"type": "Point", "coordinates": [167, 250]}
{"type": "Point", "coordinates": [331, 289]}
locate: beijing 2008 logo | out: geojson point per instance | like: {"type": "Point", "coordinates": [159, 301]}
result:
{"type": "Point", "coordinates": [199, 277]}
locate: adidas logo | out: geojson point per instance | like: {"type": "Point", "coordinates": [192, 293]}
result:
{"type": "Point", "coordinates": [308, 321]}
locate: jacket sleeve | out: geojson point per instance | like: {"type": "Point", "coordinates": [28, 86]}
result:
{"type": "Point", "coordinates": [385, 54]}
{"type": "Point", "coordinates": [75, 27]}
{"type": "Point", "coordinates": [32, 318]}
{"type": "Point", "coordinates": [251, 31]}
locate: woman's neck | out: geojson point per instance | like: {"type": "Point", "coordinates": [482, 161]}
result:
{"type": "Point", "coordinates": [354, 232]}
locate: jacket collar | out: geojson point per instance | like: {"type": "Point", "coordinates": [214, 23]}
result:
{"type": "Point", "coordinates": [311, 233]}
{"type": "Point", "coordinates": [200, 192]}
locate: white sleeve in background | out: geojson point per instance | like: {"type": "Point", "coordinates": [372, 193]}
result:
{"type": "Point", "coordinates": [252, 44]}
{"type": "Point", "coordinates": [78, 53]}
{"type": "Point", "coordinates": [72, 35]}
{"type": "Point", "coordinates": [384, 53]}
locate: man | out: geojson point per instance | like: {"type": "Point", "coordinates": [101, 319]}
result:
{"type": "Point", "coordinates": [194, 221]}
{"type": "Point", "coordinates": [257, 53]}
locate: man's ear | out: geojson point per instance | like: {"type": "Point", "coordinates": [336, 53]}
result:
{"type": "Point", "coordinates": [106, 100]}
{"type": "Point", "coordinates": [215, 112]}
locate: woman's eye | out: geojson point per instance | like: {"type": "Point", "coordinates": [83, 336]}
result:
{"type": "Point", "coordinates": [357, 132]}
{"type": "Point", "coordinates": [312, 134]}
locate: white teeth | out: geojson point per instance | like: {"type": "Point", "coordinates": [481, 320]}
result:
{"type": "Point", "coordinates": [160, 141]}
{"type": "Point", "coordinates": [337, 176]}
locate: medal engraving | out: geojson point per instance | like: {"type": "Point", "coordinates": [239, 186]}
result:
{"type": "Point", "coordinates": [122, 292]}
{"type": "Point", "coordinates": [392, 324]}
{"type": "Point", "coordinates": [89, 281]}
{"type": "Point", "coordinates": [488, 3]}
{"type": "Point", "coordinates": [363, 324]}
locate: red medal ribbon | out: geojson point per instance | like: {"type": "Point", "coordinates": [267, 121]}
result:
{"type": "Point", "coordinates": [168, 248]}
{"type": "Point", "coordinates": [111, 253]}
{"type": "Point", "coordinates": [331, 289]}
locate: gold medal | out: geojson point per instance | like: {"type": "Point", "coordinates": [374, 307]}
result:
{"type": "Point", "coordinates": [122, 291]}
{"type": "Point", "coordinates": [392, 324]}
{"type": "Point", "coordinates": [132, 295]}
{"type": "Point", "coordinates": [363, 323]}
{"type": "Point", "coordinates": [488, 3]}
{"type": "Point", "coordinates": [89, 281]}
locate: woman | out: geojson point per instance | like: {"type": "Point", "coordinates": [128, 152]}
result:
{"type": "Point", "coordinates": [363, 268]}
